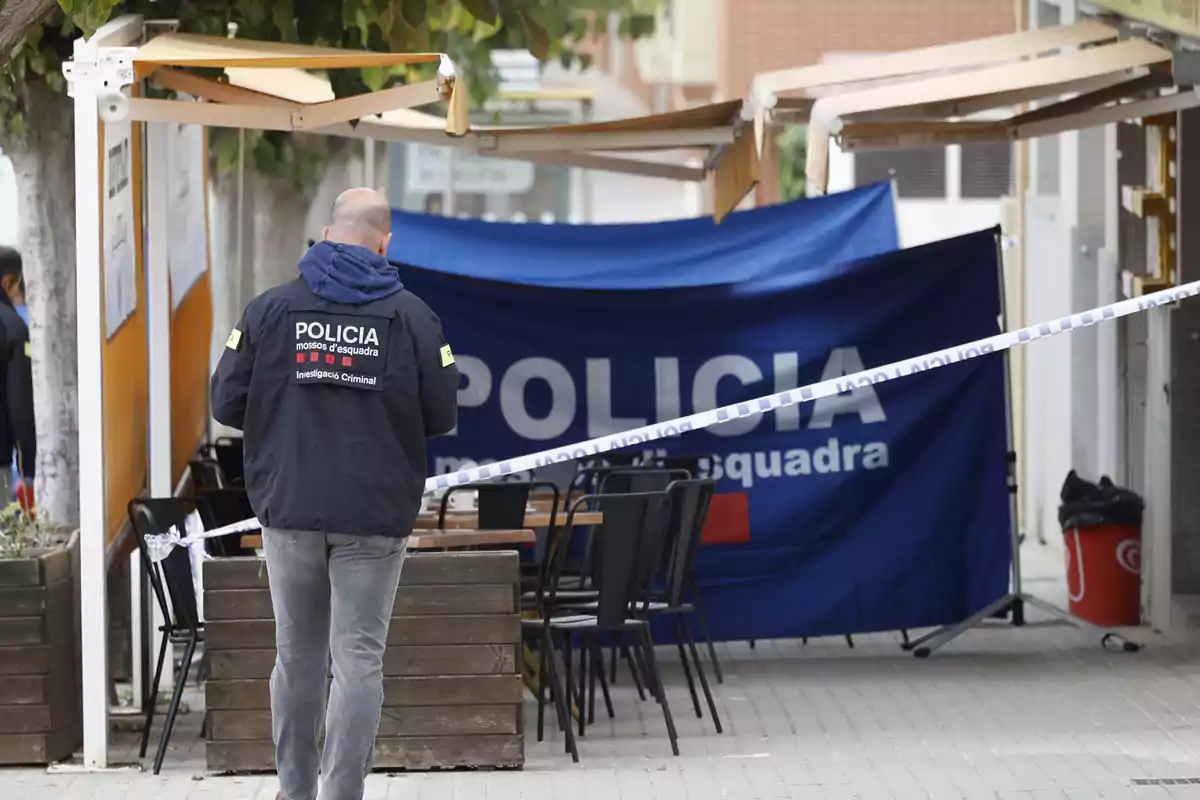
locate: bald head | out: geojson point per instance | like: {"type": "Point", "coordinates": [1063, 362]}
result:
{"type": "Point", "coordinates": [361, 217]}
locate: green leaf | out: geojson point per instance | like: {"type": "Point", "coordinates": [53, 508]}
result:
{"type": "Point", "coordinates": [793, 148]}
{"type": "Point", "coordinates": [37, 62]}
{"type": "Point", "coordinates": [536, 37]}
{"type": "Point", "coordinates": [482, 10]}
{"type": "Point", "coordinates": [283, 16]}
{"type": "Point", "coordinates": [226, 146]}
{"type": "Point", "coordinates": [374, 78]}
{"type": "Point", "coordinates": [414, 12]}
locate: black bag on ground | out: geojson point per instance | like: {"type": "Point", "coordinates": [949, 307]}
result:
{"type": "Point", "coordinates": [1086, 504]}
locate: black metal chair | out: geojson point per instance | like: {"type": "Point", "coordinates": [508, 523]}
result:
{"type": "Point", "coordinates": [220, 507]}
{"type": "Point", "coordinates": [500, 506]}
{"type": "Point", "coordinates": [626, 564]}
{"type": "Point", "coordinates": [206, 474]}
{"type": "Point", "coordinates": [229, 453]}
{"type": "Point", "coordinates": [697, 465]}
{"type": "Point", "coordinates": [503, 506]}
{"type": "Point", "coordinates": [690, 500]}
{"type": "Point", "coordinates": [561, 474]}
{"type": "Point", "coordinates": [623, 480]}
{"type": "Point", "coordinates": [171, 578]}
{"type": "Point", "coordinates": [694, 466]}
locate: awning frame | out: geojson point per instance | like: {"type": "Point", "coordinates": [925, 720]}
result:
{"type": "Point", "coordinates": [169, 52]}
{"type": "Point", "coordinates": [1051, 76]}
{"type": "Point", "coordinates": [864, 138]}
{"type": "Point", "coordinates": [770, 88]}
{"type": "Point", "coordinates": [236, 106]}
{"type": "Point", "coordinates": [1101, 72]}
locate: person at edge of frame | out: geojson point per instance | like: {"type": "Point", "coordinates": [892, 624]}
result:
{"type": "Point", "coordinates": [336, 380]}
{"type": "Point", "coordinates": [18, 437]}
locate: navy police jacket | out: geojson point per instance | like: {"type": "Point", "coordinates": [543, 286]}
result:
{"type": "Point", "coordinates": [336, 380]}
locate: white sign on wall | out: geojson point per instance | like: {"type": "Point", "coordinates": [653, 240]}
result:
{"type": "Point", "coordinates": [187, 255]}
{"type": "Point", "coordinates": [426, 172]}
{"type": "Point", "coordinates": [9, 234]}
{"type": "Point", "coordinates": [120, 270]}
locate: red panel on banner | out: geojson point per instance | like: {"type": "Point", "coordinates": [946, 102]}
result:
{"type": "Point", "coordinates": [728, 519]}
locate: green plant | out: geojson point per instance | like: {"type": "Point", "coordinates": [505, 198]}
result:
{"type": "Point", "coordinates": [21, 532]}
{"type": "Point", "coordinates": [793, 153]}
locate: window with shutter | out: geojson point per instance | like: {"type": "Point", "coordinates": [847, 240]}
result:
{"type": "Point", "coordinates": [986, 170]}
{"type": "Point", "coordinates": [919, 174]}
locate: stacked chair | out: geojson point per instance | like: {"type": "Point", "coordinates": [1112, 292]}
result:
{"type": "Point", "coordinates": [218, 489]}
{"type": "Point", "coordinates": [219, 497]}
{"type": "Point", "coordinates": [635, 568]}
{"type": "Point", "coordinates": [175, 593]}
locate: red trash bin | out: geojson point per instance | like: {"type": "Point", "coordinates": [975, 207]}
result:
{"type": "Point", "coordinates": [1104, 564]}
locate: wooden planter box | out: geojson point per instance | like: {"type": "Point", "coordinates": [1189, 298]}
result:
{"type": "Point", "coordinates": [452, 682]}
{"type": "Point", "coordinates": [41, 720]}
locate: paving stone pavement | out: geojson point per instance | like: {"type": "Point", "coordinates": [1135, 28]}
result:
{"type": "Point", "coordinates": [1036, 713]}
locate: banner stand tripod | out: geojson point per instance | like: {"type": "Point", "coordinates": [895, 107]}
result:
{"type": "Point", "coordinates": [1015, 601]}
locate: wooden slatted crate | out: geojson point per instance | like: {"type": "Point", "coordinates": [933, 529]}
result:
{"type": "Point", "coordinates": [41, 720]}
{"type": "Point", "coordinates": [452, 682]}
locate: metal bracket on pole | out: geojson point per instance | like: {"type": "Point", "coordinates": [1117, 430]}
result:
{"type": "Point", "coordinates": [104, 79]}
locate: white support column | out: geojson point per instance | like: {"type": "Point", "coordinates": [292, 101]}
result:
{"type": "Point", "coordinates": [92, 569]}
{"type": "Point", "coordinates": [1158, 585]}
{"type": "Point", "coordinates": [158, 331]}
{"type": "Point", "coordinates": [93, 72]}
{"type": "Point", "coordinates": [1110, 411]}
{"type": "Point", "coordinates": [369, 164]}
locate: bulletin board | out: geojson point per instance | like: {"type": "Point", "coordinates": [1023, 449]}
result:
{"type": "Point", "coordinates": [190, 261]}
{"type": "Point", "coordinates": [125, 352]}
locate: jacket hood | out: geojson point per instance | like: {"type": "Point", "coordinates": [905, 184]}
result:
{"type": "Point", "coordinates": [346, 273]}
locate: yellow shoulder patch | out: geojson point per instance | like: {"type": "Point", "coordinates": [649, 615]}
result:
{"type": "Point", "coordinates": [28, 350]}
{"type": "Point", "coordinates": [447, 356]}
{"type": "Point", "coordinates": [235, 339]}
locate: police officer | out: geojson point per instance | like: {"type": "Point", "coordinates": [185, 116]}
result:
{"type": "Point", "coordinates": [336, 380]}
{"type": "Point", "coordinates": [18, 434]}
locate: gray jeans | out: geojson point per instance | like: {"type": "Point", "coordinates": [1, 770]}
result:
{"type": "Point", "coordinates": [331, 593]}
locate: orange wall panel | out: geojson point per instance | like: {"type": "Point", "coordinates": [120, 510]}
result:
{"type": "Point", "coordinates": [191, 332]}
{"type": "Point", "coordinates": [125, 363]}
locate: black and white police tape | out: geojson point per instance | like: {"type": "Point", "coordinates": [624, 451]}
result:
{"type": "Point", "coordinates": [803, 394]}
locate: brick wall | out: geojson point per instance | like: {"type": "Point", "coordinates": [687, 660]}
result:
{"type": "Point", "coordinates": [760, 35]}
{"type": "Point", "coordinates": [600, 51]}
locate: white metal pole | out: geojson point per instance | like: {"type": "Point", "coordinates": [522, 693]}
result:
{"type": "Point", "coordinates": [448, 193]}
{"type": "Point", "coordinates": [158, 330]}
{"type": "Point", "coordinates": [587, 210]}
{"type": "Point", "coordinates": [136, 628]}
{"type": "Point", "coordinates": [369, 163]}
{"type": "Point", "coordinates": [241, 208]}
{"type": "Point", "coordinates": [90, 333]}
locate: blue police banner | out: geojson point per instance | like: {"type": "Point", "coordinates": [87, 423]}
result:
{"type": "Point", "coordinates": [750, 245]}
{"type": "Point", "coordinates": [881, 508]}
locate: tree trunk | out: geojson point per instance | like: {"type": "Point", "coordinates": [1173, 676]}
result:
{"type": "Point", "coordinates": [44, 164]}
{"type": "Point", "coordinates": [343, 172]}
{"type": "Point", "coordinates": [280, 212]}
{"type": "Point", "coordinates": [231, 289]}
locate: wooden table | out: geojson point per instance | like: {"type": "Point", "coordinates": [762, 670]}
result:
{"type": "Point", "coordinates": [444, 539]}
{"type": "Point", "coordinates": [452, 668]}
{"type": "Point", "coordinates": [456, 520]}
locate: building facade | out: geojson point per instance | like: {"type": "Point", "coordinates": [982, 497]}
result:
{"type": "Point", "coordinates": [1107, 213]}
